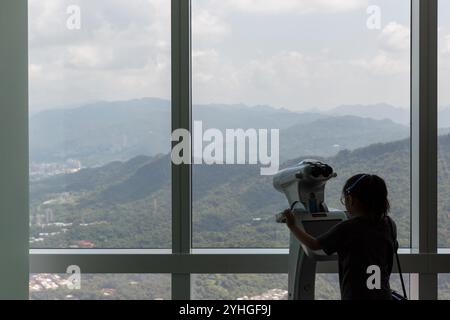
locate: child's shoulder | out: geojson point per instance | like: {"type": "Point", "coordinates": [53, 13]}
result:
{"type": "Point", "coordinates": [347, 224]}
{"type": "Point", "coordinates": [354, 222]}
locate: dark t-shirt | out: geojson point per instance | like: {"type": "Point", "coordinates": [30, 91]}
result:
{"type": "Point", "coordinates": [360, 243]}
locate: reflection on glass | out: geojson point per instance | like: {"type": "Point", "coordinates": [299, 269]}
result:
{"type": "Point", "coordinates": [444, 286]}
{"type": "Point", "coordinates": [100, 287]}
{"type": "Point", "coordinates": [267, 287]}
{"type": "Point", "coordinates": [335, 82]}
{"type": "Point", "coordinates": [239, 287]}
{"type": "Point", "coordinates": [327, 287]}
{"type": "Point", "coordinates": [444, 126]}
{"type": "Point", "coordinates": [99, 124]}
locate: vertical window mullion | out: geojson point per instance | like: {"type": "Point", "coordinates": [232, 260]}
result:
{"type": "Point", "coordinates": [14, 213]}
{"type": "Point", "coordinates": [424, 140]}
{"type": "Point", "coordinates": [181, 119]}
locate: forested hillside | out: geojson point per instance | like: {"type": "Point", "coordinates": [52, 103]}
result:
{"type": "Point", "coordinates": [128, 204]}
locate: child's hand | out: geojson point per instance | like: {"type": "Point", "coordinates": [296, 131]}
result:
{"type": "Point", "coordinates": [290, 219]}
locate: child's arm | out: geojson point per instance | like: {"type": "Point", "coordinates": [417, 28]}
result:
{"type": "Point", "coordinates": [305, 238]}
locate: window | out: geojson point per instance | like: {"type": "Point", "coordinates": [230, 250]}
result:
{"type": "Point", "coordinates": [340, 96]}
{"type": "Point", "coordinates": [267, 287]}
{"type": "Point", "coordinates": [327, 287]}
{"type": "Point", "coordinates": [100, 287]}
{"type": "Point", "coordinates": [444, 125]}
{"type": "Point", "coordinates": [100, 124]}
{"type": "Point", "coordinates": [444, 287]}
{"type": "Point", "coordinates": [327, 76]}
{"type": "Point", "coordinates": [239, 287]}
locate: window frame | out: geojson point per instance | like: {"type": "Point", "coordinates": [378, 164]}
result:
{"type": "Point", "coordinates": [422, 260]}
{"type": "Point", "coordinates": [14, 208]}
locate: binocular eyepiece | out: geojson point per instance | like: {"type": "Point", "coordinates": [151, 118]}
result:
{"type": "Point", "coordinates": [320, 169]}
{"type": "Point", "coordinates": [304, 184]}
{"type": "Point", "coordinates": [317, 169]}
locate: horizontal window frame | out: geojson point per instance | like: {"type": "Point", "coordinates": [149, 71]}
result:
{"type": "Point", "coordinates": [206, 263]}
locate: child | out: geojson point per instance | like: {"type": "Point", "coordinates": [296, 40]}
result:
{"type": "Point", "coordinates": [367, 239]}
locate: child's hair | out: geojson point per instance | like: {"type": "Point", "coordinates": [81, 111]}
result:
{"type": "Point", "coordinates": [371, 192]}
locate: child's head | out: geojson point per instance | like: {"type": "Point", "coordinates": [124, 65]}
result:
{"type": "Point", "coordinates": [366, 194]}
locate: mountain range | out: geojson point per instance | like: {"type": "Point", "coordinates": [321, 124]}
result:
{"type": "Point", "coordinates": [383, 111]}
{"type": "Point", "coordinates": [127, 204]}
{"type": "Point", "coordinates": [104, 132]}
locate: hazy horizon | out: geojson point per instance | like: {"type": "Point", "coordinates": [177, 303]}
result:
{"type": "Point", "coordinates": [296, 54]}
{"type": "Point", "coordinates": [322, 110]}
{"type": "Point", "coordinates": [306, 110]}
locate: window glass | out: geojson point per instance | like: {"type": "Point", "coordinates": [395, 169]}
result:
{"type": "Point", "coordinates": [444, 287]}
{"type": "Point", "coordinates": [267, 287]}
{"type": "Point", "coordinates": [444, 126]}
{"type": "Point", "coordinates": [333, 79]}
{"type": "Point", "coordinates": [239, 287]}
{"type": "Point", "coordinates": [100, 124]}
{"type": "Point", "coordinates": [100, 287]}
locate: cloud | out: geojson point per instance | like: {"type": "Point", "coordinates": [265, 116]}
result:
{"type": "Point", "coordinates": [384, 64]}
{"type": "Point", "coordinates": [393, 55]}
{"type": "Point", "coordinates": [299, 80]}
{"type": "Point", "coordinates": [444, 43]}
{"type": "Point", "coordinates": [205, 24]}
{"type": "Point", "coordinates": [34, 71]}
{"type": "Point", "coordinates": [290, 6]}
{"type": "Point", "coordinates": [395, 37]}
{"type": "Point", "coordinates": [121, 51]}
{"type": "Point", "coordinates": [287, 78]}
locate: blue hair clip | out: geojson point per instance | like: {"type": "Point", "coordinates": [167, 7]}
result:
{"type": "Point", "coordinates": [355, 183]}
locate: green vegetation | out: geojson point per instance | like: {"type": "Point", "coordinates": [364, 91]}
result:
{"type": "Point", "coordinates": [103, 287]}
{"type": "Point", "coordinates": [128, 205]}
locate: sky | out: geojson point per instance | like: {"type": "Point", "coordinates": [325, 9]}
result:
{"type": "Point", "coordinates": [295, 54]}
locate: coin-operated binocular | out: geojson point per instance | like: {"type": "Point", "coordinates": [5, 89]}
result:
{"type": "Point", "coordinates": [304, 188]}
